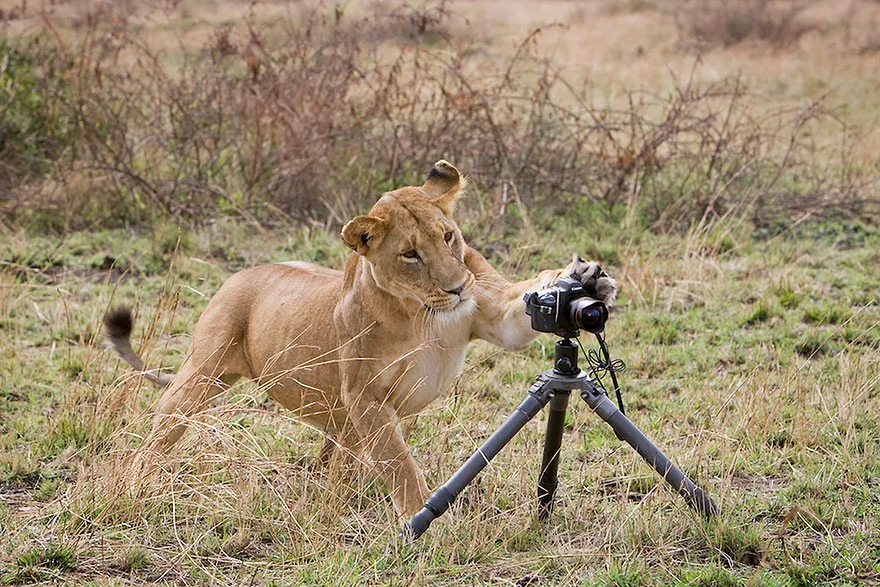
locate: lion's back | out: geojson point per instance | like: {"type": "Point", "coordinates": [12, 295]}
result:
{"type": "Point", "coordinates": [274, 303]}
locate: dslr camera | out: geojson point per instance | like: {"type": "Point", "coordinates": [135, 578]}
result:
{"type": "Point", "coordinates": [564, 309]}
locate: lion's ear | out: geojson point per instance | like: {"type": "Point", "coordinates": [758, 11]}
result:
{"type": "Point", "coordinates": [444, 185]}
{"type": "Point", "coordinates": [361, 232]}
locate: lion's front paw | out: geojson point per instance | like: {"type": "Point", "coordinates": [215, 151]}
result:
{"type": "Point", "coordinates": [598, 284]}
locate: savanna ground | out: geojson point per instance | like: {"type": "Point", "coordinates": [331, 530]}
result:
{"type": "Point", "coordinates": [718, 158]}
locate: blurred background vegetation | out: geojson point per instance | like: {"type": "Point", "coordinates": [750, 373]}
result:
{"type": "Point", "coordinates": [121, 113]}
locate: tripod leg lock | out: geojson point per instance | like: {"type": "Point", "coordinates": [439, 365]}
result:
{"type": "Point", "coordinates": [439, 502]}
{"type": "Point", "coordinates": [541, 390]}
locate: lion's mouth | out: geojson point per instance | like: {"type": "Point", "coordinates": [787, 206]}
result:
{"type": "Point", "coordinates": [462, 304]}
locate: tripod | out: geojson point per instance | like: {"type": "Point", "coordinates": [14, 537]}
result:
{"type": "Point", "coordinates": [554, 386]}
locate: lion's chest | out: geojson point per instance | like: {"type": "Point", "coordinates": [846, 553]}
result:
{"type": "Point", "coordinates": [427, 374]}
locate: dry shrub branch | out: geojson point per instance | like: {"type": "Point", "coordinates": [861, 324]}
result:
{"type": "Point", "coordinates": [724, 23]}
{"type": "Point", "coordinates": [313, 125]}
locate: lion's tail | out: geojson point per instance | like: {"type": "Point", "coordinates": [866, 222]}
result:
{"type": "Point", "coordinates": [117, 327]}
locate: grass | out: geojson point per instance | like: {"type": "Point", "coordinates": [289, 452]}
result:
{"type": "Point", "coordinates": [747, 316]}
{"type": "Point", "coordinates": [770, 406]}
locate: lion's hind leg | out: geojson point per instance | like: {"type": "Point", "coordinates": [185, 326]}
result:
{"type": "Point", "coordinates": [189, 394]}
{"type": "Point", "coordinates": [191, 391]}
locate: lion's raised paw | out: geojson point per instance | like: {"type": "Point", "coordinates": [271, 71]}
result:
{"type": "Point", "coordinates": [597, 283]}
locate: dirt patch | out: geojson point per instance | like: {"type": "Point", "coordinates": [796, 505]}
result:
{"type": "Point", "coordinates": [17, 500]}
{"type": "Point", "coordinates": [757, 484]}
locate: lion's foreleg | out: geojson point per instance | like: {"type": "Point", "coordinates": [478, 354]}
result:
{"type": "Point", "coordinates": [501, 318]}
{"type": "Point", "coordinates": [378, 427]}
{"type": "Point", "coordinates": [341, 446]}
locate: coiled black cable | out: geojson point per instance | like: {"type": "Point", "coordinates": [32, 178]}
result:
{"type": "Point", "coordinates": [602, 364]}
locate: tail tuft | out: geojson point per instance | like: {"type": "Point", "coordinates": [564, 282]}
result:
{"type": "Point", "coordinates": [118, 323]}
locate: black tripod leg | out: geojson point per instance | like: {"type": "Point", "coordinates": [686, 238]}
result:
{"type": "Point", "coordinates": [626, 430]}
{"type": "Point", "coordinates": [438, 503]}
{"type": "Point", "coordinates": [547, 482]}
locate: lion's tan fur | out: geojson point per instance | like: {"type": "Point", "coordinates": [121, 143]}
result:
{"type": "Point", "coordinates": [353, 351]}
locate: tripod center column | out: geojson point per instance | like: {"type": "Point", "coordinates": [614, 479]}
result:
{"type": "Point", "coordinates": [565, 361]}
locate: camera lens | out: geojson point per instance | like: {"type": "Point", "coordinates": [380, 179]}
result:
{"type": "Point", "coordinates": [589, 314]}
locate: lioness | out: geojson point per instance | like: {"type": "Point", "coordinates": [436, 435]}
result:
{"type": "Point", "coordinates": [354, 351]}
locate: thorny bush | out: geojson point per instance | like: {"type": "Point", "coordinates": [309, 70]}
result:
{"type": "Point", "coordinates": [312, 127]}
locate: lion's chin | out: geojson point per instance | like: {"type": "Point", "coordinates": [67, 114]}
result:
{"type": "Point", "coordinates": [454, 311]}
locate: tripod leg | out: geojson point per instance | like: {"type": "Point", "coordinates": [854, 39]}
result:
{"type": "Point", "coordinates": [439, 502]}
{"type": "Point", "coordinates": [696, 498]}
{"type": "Point", "coordinates": [547, 482]}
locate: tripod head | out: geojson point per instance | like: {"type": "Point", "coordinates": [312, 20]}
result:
{"type": "Point", "coordinates": [565, 309]}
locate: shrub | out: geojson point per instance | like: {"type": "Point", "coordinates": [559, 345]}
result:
{"type": "Point", "coordinates": [724, 23]}
{"type": "Point", "coordinates": [311, 127]}
{"type": "Point", "coordinates": [35, 124]}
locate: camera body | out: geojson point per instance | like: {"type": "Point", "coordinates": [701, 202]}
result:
{"type": "Point", "coordinates": [564, 309]}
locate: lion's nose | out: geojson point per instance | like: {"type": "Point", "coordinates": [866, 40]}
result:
{"type": "Point", "coordinates": [457, 291]}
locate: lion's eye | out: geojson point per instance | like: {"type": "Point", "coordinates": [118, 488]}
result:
{"type": "Point", "coordinates": [448, 236]}
{"type": "Point", "coordinates": [411, 254]}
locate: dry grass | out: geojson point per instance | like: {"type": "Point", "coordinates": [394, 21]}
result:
{"type": "Point", "coordinates": [753, 365]}
{"type": "Point", "coordinates": [752, 354]}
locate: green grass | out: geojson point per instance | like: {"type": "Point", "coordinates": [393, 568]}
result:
{"type": "Point", "coordinates": [751, 335]}
{"type": "Point", "coordinates": [753, 366]}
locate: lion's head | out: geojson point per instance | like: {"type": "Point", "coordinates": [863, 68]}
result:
{"type": "Point", "coordinates": [414, 247]}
